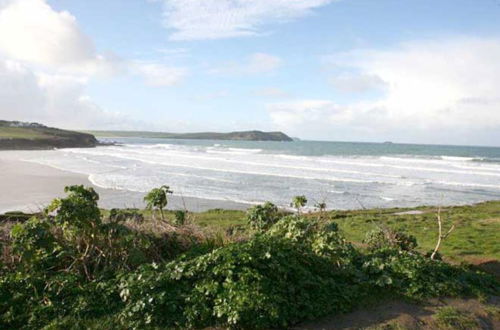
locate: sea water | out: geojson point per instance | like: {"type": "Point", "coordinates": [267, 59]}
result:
{"type": "Point", "coordinates": [344, 175]}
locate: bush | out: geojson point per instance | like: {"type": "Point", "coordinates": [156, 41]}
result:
{"type": "Point", "coordinates": [298, 202]}
{"type": "Point", "coordinates": [122, 215]}
{"type": "Point", "coordinates": [323, 239]}
{"type": "Point", "coordinates": [34, 245]}
{"type": "Point", "coordinates": [265, 282]}
{"type": "Point", "coordinates": [180, 217]}
{"type": "Point", "coordinates": [390, 239]}
{"type": "Point", "coordinates": [414, 276]}
{"type": "Point", "coordinates": [261, 217]}
{"type": "Point", "coordinates": [33, 301]}
{"type": "Point", "coordinates": [78, 210]}
{"type": "Point", "coordinates": [157, 199]}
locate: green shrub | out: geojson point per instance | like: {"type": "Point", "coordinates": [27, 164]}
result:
{"type": "Point", "coordinates": [416, 277]}
{"type": "Point", "coordinates": [157, 199]}
{"type": "Point", "coordinates": [122, 215]}
{"type": "Point", "coordinates": [78, 210]}
{"type": "Point", "coordinates": [265, 282]}
{"type": "Point", "coordinates": [298, 202]}
{"type": "Point", "coordinates": [32, 301]}
{"type": "Point", "coordinates": [34, 245]}
{"type": "Point", "coordinates": [391, 239]}
{"type": "Point", "coordinates": [323, 239]}
{"type": "Point", "coordinates": [261, 217]}
{"type": "Point", "coordinates": [180, 217]}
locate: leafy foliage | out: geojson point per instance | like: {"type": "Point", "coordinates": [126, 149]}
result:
{"type": "Point", "coordinates": [122, 215]}
{"type": "Point", "coordinates": [265, 282]}
{"type": "Point", "coordinates": [298, 202]}
{"type": "Point", "coordinates": [261, 217]}
{"type": "Point", "coordinates": [391, 239]}
{"type": "Point", "coordinates": [416, 277]}
{"type": "Point", "coordinates": [180, 217]}
{"type": "Point", "coordinates": [79, 210]}
{"type": "Point", "coordinates": [34, 244]}
{"type": "Point", "coordinates": [157, 199]}
{"type": "Point", "coordinates": [74, 268]}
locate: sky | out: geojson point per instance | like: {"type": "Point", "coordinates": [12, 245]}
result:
{"type": "Point", "coordinates": [412, 71]}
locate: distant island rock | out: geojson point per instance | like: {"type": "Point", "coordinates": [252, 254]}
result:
{"type": "Point", "coordinates": [15, 135]}
{"type": "Point", "coordinates": [240, 136]}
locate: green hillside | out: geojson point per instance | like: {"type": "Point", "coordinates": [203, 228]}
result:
{"type": "Point", "coordinates": [19, 135]}
{"type": "Point", "coordinates": [242, 136]}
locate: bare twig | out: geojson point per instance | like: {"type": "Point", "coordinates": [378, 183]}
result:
{"type": "Point", "coordinates": [441, 237]}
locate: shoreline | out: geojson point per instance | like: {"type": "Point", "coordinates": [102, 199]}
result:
{"type": "Point", "coordinates": [28, 187]}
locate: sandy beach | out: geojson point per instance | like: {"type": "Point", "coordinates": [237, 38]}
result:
{"type": "Point", "coordinates": [27, 186]}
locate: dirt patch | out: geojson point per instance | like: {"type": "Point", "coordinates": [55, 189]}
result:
{"type": "Point", "coordinates": [488, 265]}
{"type": "Point", "coordinates": [405, 315]}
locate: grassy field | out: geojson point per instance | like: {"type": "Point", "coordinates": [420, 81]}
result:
{"type": "Point", "coordinates": [475, 238]}
{"type": "Point", "coordinates": [21, 133]}
{"type": "Point", "coordinates": [476, 234]}
{"type": "Point", "coordinates": [243, 135]}
{"type": "Point", "coordinates": [19, 136]}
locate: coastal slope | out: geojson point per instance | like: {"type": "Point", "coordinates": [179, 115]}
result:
{"type": "Point", "coordinates": [241, 136]}
{"type": "Point", "coordinates": [16, 135]}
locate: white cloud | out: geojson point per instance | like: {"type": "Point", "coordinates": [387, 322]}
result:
{"type": "Point", "coordinates": [262, 63]}
{"type": "Point", "coordinates": [216, 19]}
{"type": "Point", "coordinates": [45, 64]}
{"type": "Point", "coordinates": [357, 83]}
{"type": "Point", "coordinates": [272, 92]}
{"type": "Point", "coordinates": [157, 75]}
{"type": "Point", "coordinates": [438, 88]}
{"type": "Point", "coordinates": [31, 31]}
{"type": "Point", "coordinates": [256, 63]}
{"type": "Point", "coordinates": [58, 100]}
{"type": "Point", "coordinates": [296, 113]}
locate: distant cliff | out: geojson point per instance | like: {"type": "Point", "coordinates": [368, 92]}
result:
{"type": "Point", "coordinates": [242, 136]}
{"type": "Point", "coordinates": [19, 135]}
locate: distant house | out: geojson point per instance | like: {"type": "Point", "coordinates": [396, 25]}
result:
{"type": "Point", "coordinates": [25, 125]}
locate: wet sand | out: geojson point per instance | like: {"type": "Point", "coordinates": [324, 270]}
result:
{"type": "Point", "coordinates": [26, 186]}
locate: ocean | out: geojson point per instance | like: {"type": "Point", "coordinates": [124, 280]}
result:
{"type": "Point", "coordinates": [344, 175]}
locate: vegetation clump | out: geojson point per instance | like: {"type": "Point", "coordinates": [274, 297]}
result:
{"type": "Point", "coordinates": [449, 318]}
{"type": "Point", "coordinates": [73, 267]}
{"type": "Point", "coordinates": [122, 215]}
{"type": "Point", "coordinates": [157, 199]}
{"type": "Point", "coordinates": [390, 239]}
{"type": "Point", "coordinates": [261, 217]}
{"type": "Point", "coordinates": [298, 202]}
